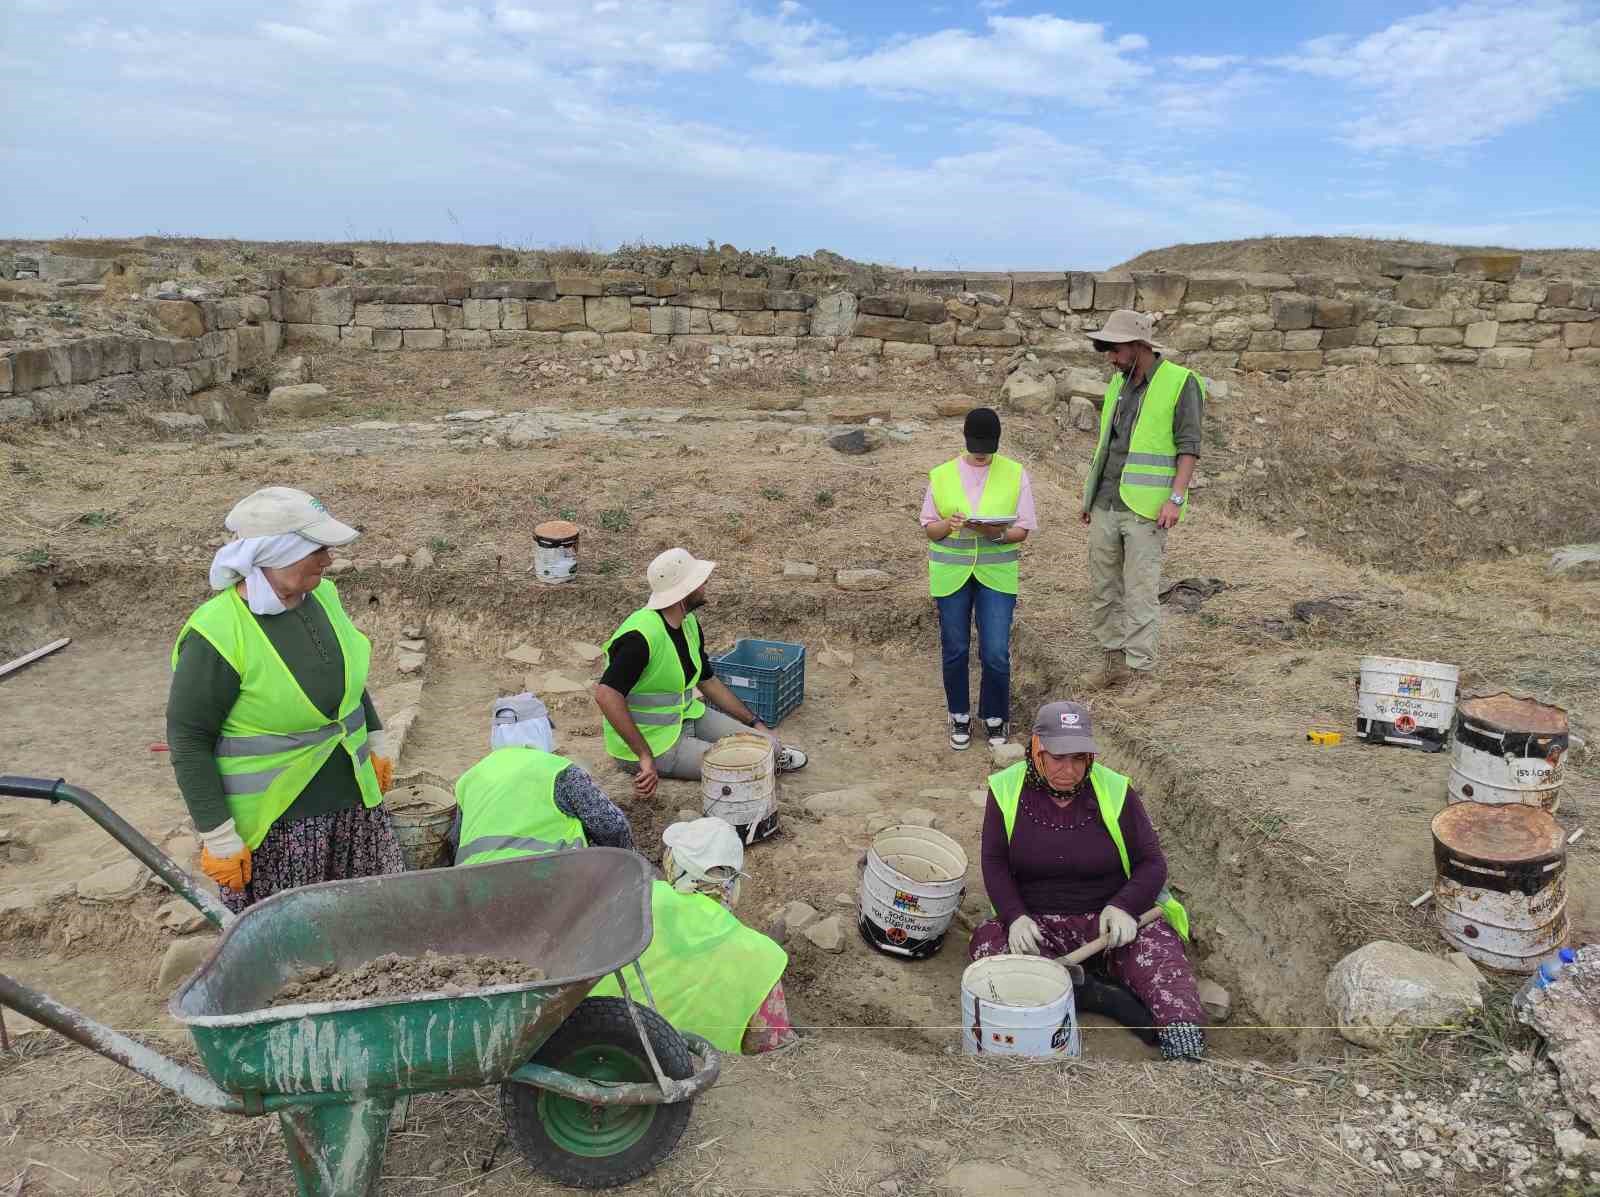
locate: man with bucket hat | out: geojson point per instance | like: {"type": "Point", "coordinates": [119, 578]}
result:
{"type": "Point", "coordinates": [1137, 489]}
{"type": "Point", "coordinates": [655, 724]}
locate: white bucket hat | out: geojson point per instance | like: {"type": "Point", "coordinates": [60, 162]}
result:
{"type": "Point", "coordinates": [704, 856]}
{"type": "Point", "coordinates": [675, 575]}
{"type": "Point", "coordinates": [280, 510]}
{"type": "Point", "coordinates": [1123, 326]}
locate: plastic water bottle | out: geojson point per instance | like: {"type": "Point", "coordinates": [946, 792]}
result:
{"type": "Point", "coordinates": [1542, 979]}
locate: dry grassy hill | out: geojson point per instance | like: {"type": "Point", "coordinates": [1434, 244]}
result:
{"type": "Point", "coordinates": [1343, 255]}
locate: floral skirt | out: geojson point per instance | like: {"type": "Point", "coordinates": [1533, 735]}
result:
{"type": "Point", "coordinates": [769, 1027]}
{"type": "Point", "coordinates": [358, 842]}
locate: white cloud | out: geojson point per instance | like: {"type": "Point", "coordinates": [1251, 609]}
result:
{"type": "Point", "coordinates": [1205, 62]}
{"type": "Point", "coordinates": [296, 35]}
{"type": "Point", "coordinates": [1454, 77]}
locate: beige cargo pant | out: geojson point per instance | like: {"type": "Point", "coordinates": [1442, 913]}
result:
{"type": "Point", "coordinates": [1125, 552]}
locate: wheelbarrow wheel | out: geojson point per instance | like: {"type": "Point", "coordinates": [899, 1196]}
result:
{"type": "Point", "coordinates": [596, 1146]}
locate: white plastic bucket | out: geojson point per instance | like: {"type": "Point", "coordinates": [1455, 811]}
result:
{"type": "Point", "coordinates": [555, 551]}
{"type": "Point", "coordinates": [738, 784]}
{"type": "Point", "coordinates": [1506, 750]}
{"type": "Point", "coordinates": [1019, 1006]}
{"type": "Point", "coordinates": [911, 888]}
{"type": "Point", "coordinates": [1401, 701]}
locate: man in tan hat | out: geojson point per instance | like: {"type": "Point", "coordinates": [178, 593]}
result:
{"type": "Point", "coordinates": [655, 724]}
{"type": "Point", "coordinates": [1137, 490]}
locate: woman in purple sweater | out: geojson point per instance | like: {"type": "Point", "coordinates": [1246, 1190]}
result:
{"type": "Point", "coordinates": [1068, 855]}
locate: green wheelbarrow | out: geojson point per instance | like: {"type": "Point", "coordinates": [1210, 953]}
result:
{"type": "Point", "coordinates": [595, 1091]}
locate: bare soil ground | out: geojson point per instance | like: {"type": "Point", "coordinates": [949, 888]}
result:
{"type": "Point", "coordinates": [1345, 255]}
{"type": "Point", "coordinates": [1288, 855]}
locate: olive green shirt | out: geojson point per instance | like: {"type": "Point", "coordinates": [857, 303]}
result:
{"type": "Point", "coordinates": [205, 687]}
{"type": "Point", "coordinates": [1186, 421]}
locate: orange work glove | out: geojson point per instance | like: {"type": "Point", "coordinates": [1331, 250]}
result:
{"type": "Point", "coordinates": [384, 768]}
{"type": "Point", "coordinates": [224, 857]}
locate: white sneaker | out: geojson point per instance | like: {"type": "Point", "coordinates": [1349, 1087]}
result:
{"type": "Point", "coordinates": [790, 759]}
{"type": "Point", "coordinates": [960, 732]}
{"type": "Point", "coordinates": [996, 729]}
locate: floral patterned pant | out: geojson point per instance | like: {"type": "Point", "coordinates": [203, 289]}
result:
{"type": "Point", "coordinates": [1153, 966]}
{"type": "Point", "coordinates": [769, 1027]}
{"type": "Point", "coordinates": [358, 842]}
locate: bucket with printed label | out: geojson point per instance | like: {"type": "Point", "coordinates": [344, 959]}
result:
{"type": "Point", "coordinates": [555, 551]}
{"type": "Point", "coordinates": [911, 888]}
{"type": "Point", "coordinates": [1406, 702]}
{"type": "Point", "coordinates": [1019, 1006]}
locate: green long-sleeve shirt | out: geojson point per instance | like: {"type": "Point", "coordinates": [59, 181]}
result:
{"type": "Point", "coordinates": [205, 687]}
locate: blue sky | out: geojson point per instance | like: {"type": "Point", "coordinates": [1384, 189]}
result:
{"type": "Point", "coordinates": [949, 134]}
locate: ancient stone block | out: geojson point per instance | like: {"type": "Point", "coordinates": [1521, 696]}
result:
{"type": "Point", "coordinates": [1039, 289]}
{"type": "Point", "coordinates": [996, 338]}
{"type": "Point", "coordinates": [1209, 288]}
{"type": "Point", "coordinates": [662, 287]}
{"type": "Point", "coordinates": [1159, 291]}
{"type": "Point", "coordinates": [1578, 336]}
{"type": "Point", "coordinates": [481, 314]}
{"type": "Point", "coordinates": [323, 305]}
{"type": "Point", "coordinates": [560, 315]}
{"type": "Point", "coordinates": [154, 354]}
{"type": "Point", "coordinates": [1334, 313]}
{"type": "Point", "coordinates": [467, 338]}
{"type": "Point", "coordinates": [834, 315]}
{"type": "Point", "coordinates": [1516, 311]}
{"type": "Point", "coordinates": [573, 284]}
{"type": "Point", "coordinates": [741, 299]}
{"type": "Point", "coordinates": [1339, 338]}
{"type": "Point", "coordinates": [1548, 356]}
{"type": "Point", "coordinates": [887, 328]}
{"type": "Point", "coordinates": [882, 305]}
{"type": "Point", "coordinates": [943, 333]}
{"type": "Point", "coordinates": [1302, 338]}
{"type": "Point", "coordinates": [791, 324]}
{"type": "Point", "coordinates": [1440, 336]}
{"type": "Point", "coordinates": [709, 300]}
{"type": "Point", "coordinates": [1396, 336]}
{"type": "Point", "coordinates": [1292, 310]}
{"type": "Point", "coordinates": [724, 323]}
{"type": "Point", "coordinates": [17, 410]}
{"type": "Point", "coordinates": [582, 339]}
{"type": "Point", "coordinates": [665, 320]}
{"type": "Point", "coordinates": [790, 301]}
{"type": "Point", "coordinates": [905, 352]}
{"type": "Point", "coordinates": [754, 324]}
{"type": "Point", "coordinates": [639, 319]}
{"type": "Point", "coordinates": [941, 284]}
{"type": "Point", "coordinates": [6, 382]}
{"type": "Point", "coordinates": [607, 315]}
{"type": "Point", "coordinates": [1503, 358]}
{"type": "Point", "coordinates": [394, 315]}
{"type": "Point", "coordinates": [1455, 355]}
{"type": "Point", "coordinates": [252, 344]}
{"type": "Point", "coordinates": [1186, 337]}
{"type": "Point", "coordinates": [995, 283]}
{"type": "Point", "coordinates": [1267, 341]}
{"type": "Point", "coordinates": [221, 313]}
{"type": "Point", "coordinates": [179, 317]}
{"type": "Point", "coordinates": [1080, 291]}
{"type": "Point", "coordinates": [424, 338]}
{"type": "Point", "coordinates": [60, 268]}
{"type": "Point", "coordinates": [398, 294]}
{"type": "Point", "coordinates": [1404, 355]}
{"type": "Point", "coordinates": [1354, 356]}
{"type": "Point", "coordinates": [1564, 315]}
{"type": "Point", "coordinates": [1419, 317]}
{"type": "Point", "coordinates": [515, 289]}
{"type": "Point", "coordinates": [1112, 294]}
{"type": "Point", "coordinates": [926, 308]}
{"type": "Point", "coordinates": [311, 334]}
{"type": "Point", "coordinates": [1500, 268]}
{"type": "Point", "coordinates": [1526, 332]}
{"type": "Point", "coordinates": [1419, 290]}
{"type": "Point", "coordinates": [307, 275]}
{"type": "Point", "coordinates": [1482, 334]}
{"type": "Point", "coordinates": [184, 351]}
{"type": "Point", "coordinates": [1586, 357]}
{"type": "Point", "coordinates": [860, 347]}
{"type": "Point", "coordinates": [355, 336]}
{"type": "Point", "coordinates": [1230, 333]}
{"type": "Point", "coordinates": [1306, 360]}
{"type": "Point", "coordinates": [450, 315]}
{"type": "Point", "coordinates": [1528, 291]}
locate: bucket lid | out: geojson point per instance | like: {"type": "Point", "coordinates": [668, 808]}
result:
{"type": "Point", "coordinates": [1498, 835]}
{"type": "Point", "coordinates": [555, 529]}
{"type": "Point", "coordinates": [1511, 712]}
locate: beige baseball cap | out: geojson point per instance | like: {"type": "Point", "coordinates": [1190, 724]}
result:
{"type": "Point", "coordinates": [1123, 326]}
{"type": "Point", "coordinates": [674, 575]}
{"type": "Point", "coordinates": [279, 510]}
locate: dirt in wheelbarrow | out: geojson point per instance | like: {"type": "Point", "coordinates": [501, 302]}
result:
{"type": "Point", "coordinates": [396, 976]}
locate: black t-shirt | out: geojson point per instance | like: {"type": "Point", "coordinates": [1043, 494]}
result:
{"type": "Point", "coordinates": [630, 653]}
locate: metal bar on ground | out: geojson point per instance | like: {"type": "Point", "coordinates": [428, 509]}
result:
{"type": "Point", "coordinates": [30, 658]}
{"type": "Point", "coordinates": [1575, 836]}
{"type": "Point", "coordinates": [1420, 899]}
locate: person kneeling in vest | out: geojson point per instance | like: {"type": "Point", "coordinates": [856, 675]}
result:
{"type": "Point", "coordinates": [972, 570]}
{"type": "Point", "coordinates": [275, 742]}
{"type": "Point", "coordinates": [522, 798]}
{"type": "Point", "coordinates": [1137, 489]}
{"type": "Point", "coordinates": [1069, 855]}
{"type": "Point", "coordinates": [655, 725]}
{"type": "Point", "coordinates": [710, 974]}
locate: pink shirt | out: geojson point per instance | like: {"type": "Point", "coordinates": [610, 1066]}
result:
{"type": "Point", "coordinates": [972, 480]}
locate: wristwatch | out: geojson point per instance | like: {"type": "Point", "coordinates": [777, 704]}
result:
{"type": "Point", "coordinates": [1175, 499]}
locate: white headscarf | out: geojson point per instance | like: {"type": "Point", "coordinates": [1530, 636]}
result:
{"type": "Point", "coordinates": [521, 720]}
{"type": "Point", "coordinates": [244, 558]}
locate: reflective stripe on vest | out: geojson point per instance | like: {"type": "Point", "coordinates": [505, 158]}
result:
{"type": "Point", "coordinates": [1110, 791]}
{"type": "Point", "coordinates": [963, 554]}
{"type": "Point", "coordinates": [273, 739]}
{"type": "Point", "coordinates": [708, 972]}
{"type": "Point", "coordinates": [1152, 464]}
{"type": "Point", "coordinates": [508, 807]}
{"type": "Point", "coordinates": [662, 698]}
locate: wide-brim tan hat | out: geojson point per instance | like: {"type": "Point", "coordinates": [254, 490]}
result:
{"type": "Point", "coordinates": [1123, 326]}
{"type": "Point", "coordinates": [279, 510]}
{"type": "Point", "coordinates": [674, 575]}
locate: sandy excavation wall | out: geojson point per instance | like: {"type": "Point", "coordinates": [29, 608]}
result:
{"type": "Point", "coordinates": [1473, 311]}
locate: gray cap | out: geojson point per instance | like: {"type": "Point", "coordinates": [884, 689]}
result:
{"type": "Point", "coordinates": [1064, 728]}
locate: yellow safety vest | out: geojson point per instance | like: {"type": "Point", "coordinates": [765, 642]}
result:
{"type": "Point", "coordinates": [964, 554]}
{"type": "Point", "coordinates": [1152, 463]}
{"type": "Point", "coordinates": [274, 739]}
{"type": "Point", "coordinates": [708, 971]}
{"type": "Point", "coordinates": [508, 807]}
{"type": "Point", "coordinates": [1110, 792]}
{"type": "Point", "coordinates": [662, 698]}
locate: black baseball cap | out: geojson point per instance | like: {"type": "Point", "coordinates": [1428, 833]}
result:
{"type": "Point", "coordinates": [982, 430]}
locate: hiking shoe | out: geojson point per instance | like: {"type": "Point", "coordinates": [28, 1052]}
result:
{"type": "Point", "coordinates": [996, 730]}
{"type": "Point", "coordinates": [1113, 672]}
{"type": "Point", "coordinates": [960, 732]}
{"type": "Point", "coordinates": [791, 759]}
{"type": "Point", "coordinates": [1139, 689]}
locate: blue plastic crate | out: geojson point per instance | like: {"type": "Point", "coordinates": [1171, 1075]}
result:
{"type": "Point", "coordinates": [769, 676]}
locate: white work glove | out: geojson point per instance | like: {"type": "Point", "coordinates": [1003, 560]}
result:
{"type": "Point", "coordinates": [1025, 938]}
{"type": "Point", "coordinates": [223, 856]}
{"type": "Point", "coordinates": [1118, 926]}
{"type": "Point", "coordinates": [378, 743]}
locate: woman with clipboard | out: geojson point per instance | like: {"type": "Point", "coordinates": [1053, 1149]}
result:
{"type": "Point", "coordinates": [977, 510]}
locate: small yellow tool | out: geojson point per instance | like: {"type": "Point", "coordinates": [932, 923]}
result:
{"type": "Point", "coordinates": [1326, 739]}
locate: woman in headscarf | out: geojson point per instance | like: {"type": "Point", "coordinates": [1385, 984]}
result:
{"type": "Point", "coordinates": [1069, 855]}
{"type": "Point", "coordinates": [275, 742]}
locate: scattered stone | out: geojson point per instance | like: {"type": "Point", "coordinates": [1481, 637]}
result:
{"type": "Point", "coordinates": [290, 372]}
{"type": "Point", "coordinates": [412, 646]}
{"type": "Point", "coordinates": [802, 571]}
{"type": "Point", "coordinates": [177, 915]}
{"type": "Point", "coordinates": [303, 399]}
{"type": "Point", "coordinates": [843, 899]}
{"type": "Point", "coordinates": [526, 431]}
{"type": "Point", "coordinates": [1001, 755]}
{"type": "Point", "coordinates": [1083, 414]}
{"type": "Point", "coordinates": [340, 565]}
{"type": "Point", "coordinates": [422, 558]}
{"type": "Point", "coordinates": [1298, 534]}
{"type": "Point", "coordinates": [859, 800]}
{"type": "Point", "coordinates": [476, 415]}
{"type": "Point", "coordinates": [555, 682]}
{"type": "Point", "coordinates": [797, 916]}
{"type": "Point", "coordinates": [1465, 963]}
{"type": "Point", "coordinates": [393, 562]}
{"type": "Point", "coordinates": [919, 816]}
{"type": "Point", "coordinates": [582, 650]}
{"type": "Point", "coordinates": [526, 654]}
{"type": "Point", "coordinates": [836, 658]}
{"type": "Point", "coordinates": [1470, 497]}
{"type": "Point", "coordinates": [413, 632]}
{"type": "Point", "coordinates": [410, 663]}
{"type": "Point", "coordinates": [686, 815]}
{"type": "Point", "coordinates": [1025, 391]}
{"type": "Point", "coordinates": [176, 423]}
{"type": "Point", "coordinates": [21, 854]}
{"type": "Point", "coordinates": [877, 822]}
{"type": "Point", "coordinates": [183, 957]}
{"type": "Point", "coordinates": [856, 442]}
{"type": "Point", "coordinates": [827, 934]}
{"type": "Point", "coordinates": [955, 406]}
{"type": "Point", "coordinates": [1217, 1001]}
{"type": "Point", "coordinates": [1386, 988]}
{"type": "Point", "coordinates": [862, 579]}
{"type": "Point", "coordinates": [1567, 1014]}
{"type": "Point", "coordinates": [114, 883]}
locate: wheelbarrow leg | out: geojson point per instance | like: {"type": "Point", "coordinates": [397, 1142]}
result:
{"type": "Point", "coordinates": [336, 1150]}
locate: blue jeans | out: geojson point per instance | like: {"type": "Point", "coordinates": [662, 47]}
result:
{"type": "Point", "coordinates": [993, 611]}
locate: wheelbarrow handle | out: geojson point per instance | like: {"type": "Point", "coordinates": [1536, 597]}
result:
{"type": "Point", "coordinates": [628, 1093]}
{"type": "Point", "coordinates": [124, 833]}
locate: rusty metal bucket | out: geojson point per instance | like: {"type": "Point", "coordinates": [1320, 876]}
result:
{"type": "Point", "coordinates": [1500, 890]}
{"type": "Point", "coordinates": [1505, 749]}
